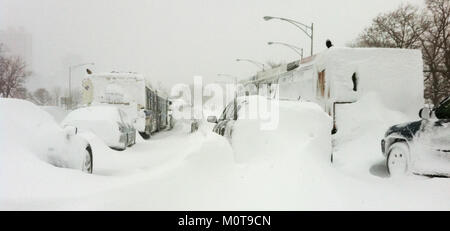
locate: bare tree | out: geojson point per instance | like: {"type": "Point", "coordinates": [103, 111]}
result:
{"type": "Point", "coordinates": [56, 94]}
{"type": "Point", "coordinates": [436, 50]}
{"type": "Point", "coordinates": [13, 74]}
{"type": "Point", "coordinates": [401, 28]}
{"type": "Point", "coordinates": [42, 97]}
{"type": "Point", "coordinates": [21, 93]}
{"type": "Point", "coordinates": [428, 30]}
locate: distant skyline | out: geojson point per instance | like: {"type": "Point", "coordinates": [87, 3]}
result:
{"type": "Point", "coordinates": [172, 40]}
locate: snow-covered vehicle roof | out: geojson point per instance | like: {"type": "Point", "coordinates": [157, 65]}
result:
{"type": "Point", "coordinates": [106, 122]}
{"type": "Point", "coordinates": [347, 74]}
{"type": "Point", "coordinates": [118, 75]}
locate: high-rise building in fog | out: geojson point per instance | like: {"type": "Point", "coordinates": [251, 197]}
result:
{"type": "Point", "coordinates": [17, 42]}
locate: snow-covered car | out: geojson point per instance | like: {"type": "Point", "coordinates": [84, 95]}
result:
{"type": "Point", "coordinates": [25, 125]}
{"type": "Point", "coordinates": [420, 147]}
{"type": "Point", "coordinates": [109, 123]}
{"type": "Point", "coordinates": [260, 127]}
{"type": "Point", "coordinates": [224, 124]}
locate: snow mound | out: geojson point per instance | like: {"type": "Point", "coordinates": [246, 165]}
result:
{"type": "Point", "coordinates": [20, 122]}
{"type": "Point", "coordinates": [361, 126]}
{"type": "Point", "coordinates": [299, 124]}
{"type": "Point", "coordinates": [57, 112]}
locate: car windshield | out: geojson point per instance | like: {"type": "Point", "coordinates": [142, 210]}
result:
{"type": "Point", "coordinates": [443, 110]}
{"type": "Point", "coordinates": [224, 113]}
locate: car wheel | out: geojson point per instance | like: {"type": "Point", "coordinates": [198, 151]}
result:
{"type": "Point", "coordinates": [88, 163]}
{"type": "Point", "coordinates": [144, 135]}
{"type": "Point", "coordinates": [131, 140]}
{"type": "Point", "coordinates": [397, 160]}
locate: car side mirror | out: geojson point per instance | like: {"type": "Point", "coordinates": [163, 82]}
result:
{"type": "Point", "coordinates": [425, 113]}
{"type": "Point", "coordinates": [70, 131]}
{"type": "Point", "coordinates": [212, 119]}
{"type": "Point", "coordinates": [148, 112]}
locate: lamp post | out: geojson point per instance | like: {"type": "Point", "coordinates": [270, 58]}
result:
{"type": "Point", "coordinates": [296, 49]}
{"type": "Point", "coordinates": [308, 30]}
{"type": "Point", "coordinates": [235, 92]}
{"type": "Point", "coordinates": [259, 64]}
{"type": "Point", "coordinates": [69, 99]}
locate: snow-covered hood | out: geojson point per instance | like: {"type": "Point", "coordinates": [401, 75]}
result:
{"type": "Point", "coordinates": [405, 130]}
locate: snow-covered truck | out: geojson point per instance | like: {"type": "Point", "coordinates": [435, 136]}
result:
{"type": "Point", "coordinates": [344, 75]}
{"type": "Point", "coordinates": [147, 108]}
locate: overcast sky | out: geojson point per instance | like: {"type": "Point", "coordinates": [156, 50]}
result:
{"type": "Point", "coordinates": [173, 40]}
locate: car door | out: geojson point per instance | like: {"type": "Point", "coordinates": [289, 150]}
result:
{"type": "Point", "coordinates": [231, 120]}
{"type": "Point", "coordinates": [123, 122]}
{"type": "Point", "coordinates": [434, 143]}
{"type": "Point", "coordinates": [223, 120]}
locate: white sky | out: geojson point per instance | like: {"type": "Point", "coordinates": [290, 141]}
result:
{"type": "Point", "coordinates": [173, 40]}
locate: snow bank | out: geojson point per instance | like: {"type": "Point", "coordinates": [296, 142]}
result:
{"type": "Point", "coordinates": [58, 113]}
{"type": "Point", "coordinates": [361, 127]}
{"type": "Point", "coordinates": [28, 135]}
{"type": "Point", "coordinates": [299, 124]}
{"type": "Point", "coordinates": [22, 122]}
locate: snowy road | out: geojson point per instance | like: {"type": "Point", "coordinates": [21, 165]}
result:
{"type": "Point", "coordinates": [176, 170]}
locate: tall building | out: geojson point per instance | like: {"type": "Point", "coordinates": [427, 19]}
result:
{"type": "Point", "coordinates": [17, 42]}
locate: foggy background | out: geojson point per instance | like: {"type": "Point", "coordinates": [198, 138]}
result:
{"type": "Point", "coordinates": [170, 41]}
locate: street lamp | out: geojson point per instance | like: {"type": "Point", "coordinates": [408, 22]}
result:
{"type": "Point", "coordinates": [259, 64]}
{"type": "Point", "coordinates": [297, 50]}
{"type": "Point", "coordinates": [309, 30]}
{"type": "Point", "coordinates": [70, 81]}
{"type": "Point", "coordinates": [235, 92]}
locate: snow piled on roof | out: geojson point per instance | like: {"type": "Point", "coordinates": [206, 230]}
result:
{"type": "Point", "coordinates": [118, 75]}
{"type": "Point", "coordinates": [93, 113]}
{"type": "Point", "coordinates": [395, 74]}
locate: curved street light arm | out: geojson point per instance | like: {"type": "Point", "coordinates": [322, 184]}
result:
{"type": "Point", "coordinates": [300, 26]}
{"type": "Point", "coordinates": [258, 64]}
{"type": "Point", "coordinates": [296, 49]}
{"type": "Point", "coordinates": [295, 23]}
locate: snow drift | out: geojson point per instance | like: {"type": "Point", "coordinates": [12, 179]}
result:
{"type": "Point", "coordinates": [299, 124]}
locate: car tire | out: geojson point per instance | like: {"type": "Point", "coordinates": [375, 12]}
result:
{"type": "Point", "coordinates": [88, 162]}
{"type": "Point", "coordinates": [144, 135]}
{"type": "Point", "coordinates": [132, 140]}
{"type": "Point", "coordinates": [398, 159]}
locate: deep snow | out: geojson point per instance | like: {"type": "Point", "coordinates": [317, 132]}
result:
{"type": "Point", "coordinates": [177, 170]}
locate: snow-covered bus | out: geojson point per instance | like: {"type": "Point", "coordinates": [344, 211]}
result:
{"type": "Point", "coordinates": [147, 107]}
{"type": "Point", "coordinates": [340, 76]}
